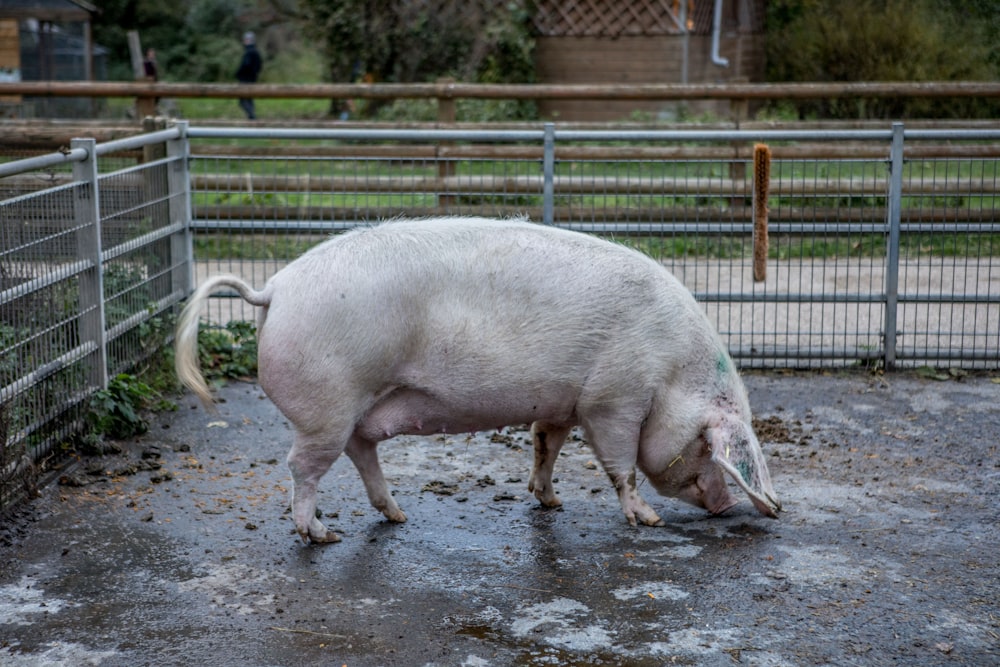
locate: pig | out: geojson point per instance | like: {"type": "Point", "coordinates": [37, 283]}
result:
{"type": "Point", "coordinates": [455, 325]}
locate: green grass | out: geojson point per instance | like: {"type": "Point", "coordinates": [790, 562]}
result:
{"type": "Point", "coordinates": [789, 248]}
{"type": "Point", "coordinates": [726, 247]}
{"type": "Point", "coordinates": [208, 108]}
{"type": "Point", "coordinates": [251, 246]}
{"type": "Point", "coordinates": [862, 199]}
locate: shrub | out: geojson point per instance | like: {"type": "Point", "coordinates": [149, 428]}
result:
{"type": "Point", "coordinates": [879, 40]}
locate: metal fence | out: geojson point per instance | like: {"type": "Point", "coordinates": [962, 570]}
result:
{"type": "Point", "coordinates": [95, 249]}
{"type": "Point", "coordinates": [884, 244]}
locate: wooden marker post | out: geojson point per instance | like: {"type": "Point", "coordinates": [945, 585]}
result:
{"type": "Point", "coordinates": [761, 185]}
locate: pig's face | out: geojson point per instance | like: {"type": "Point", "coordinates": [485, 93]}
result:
{"type": "Point", "coordinates": [696, 474]}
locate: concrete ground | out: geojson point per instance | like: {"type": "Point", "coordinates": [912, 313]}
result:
{"type": "Point", "coordinates": [887, 552]}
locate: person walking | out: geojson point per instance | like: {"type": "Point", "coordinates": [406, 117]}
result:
{"type": "Point", "coordinates": [149, 66]}
{"type": "Point", "coordinates": [248, 71]}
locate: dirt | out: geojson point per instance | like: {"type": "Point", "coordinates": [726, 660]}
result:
{"type": "Point", "coordinates": [885, 552]}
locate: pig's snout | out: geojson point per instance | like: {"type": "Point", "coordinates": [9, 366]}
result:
{"type": "Point", "coordinates": [710, 492]}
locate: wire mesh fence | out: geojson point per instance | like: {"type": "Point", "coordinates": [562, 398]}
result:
{"type": "Point", "coordinates": [89, 263]}
{"type": "Point", "coordinates": [864, 266]}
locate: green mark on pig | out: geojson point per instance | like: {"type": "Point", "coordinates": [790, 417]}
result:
{"type": "Point", "coordinates": [722, 363]}
{"type": "Point", "coordinates": [744, 469]}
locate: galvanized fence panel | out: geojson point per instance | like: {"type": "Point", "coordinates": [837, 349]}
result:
{"type": "Point", "coordinates": [858, 271]}
{"type": "Point", "coordinates": [949, 257]}
{"type": "Point", "coordinates": [87, 275]}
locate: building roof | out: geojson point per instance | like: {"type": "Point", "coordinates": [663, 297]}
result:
{"type": "Point", "coordinates": [47, 10]}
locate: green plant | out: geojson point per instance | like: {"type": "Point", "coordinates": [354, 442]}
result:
{"type": "Point", "coordinates": [228, 353]}
{"type": "Point", "coordinates": [126, 292]}
{"type": "Point", "coordinates": [115, 411]}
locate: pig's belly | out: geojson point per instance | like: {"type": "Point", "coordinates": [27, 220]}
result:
{"type": "Point", "coordinates": [419, 412]}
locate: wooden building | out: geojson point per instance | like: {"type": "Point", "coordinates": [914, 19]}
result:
{"type": "Point", "coordinates": [646, 41]}
{"type": "Point", "coordinates": [47, 40]}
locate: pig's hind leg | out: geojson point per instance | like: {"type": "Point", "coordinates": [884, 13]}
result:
{"type": "Point", "coordinates": [364, 454]}
{"type": "Point", "coordinates": [548, 440]}
{"type": "Point", "coordinates": [309, 459]}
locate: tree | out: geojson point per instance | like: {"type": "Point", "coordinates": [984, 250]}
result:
{"type": "Point", "coordinates": [195, 40]}
{"type": "Point", "coordinates": [406, 41]}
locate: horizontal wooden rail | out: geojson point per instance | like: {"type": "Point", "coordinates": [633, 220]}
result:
{"type": "Point", "coordinates": [47, 136]}
{"type": "Point", "coordinates": [488, 184]}
{"type": "Point", "coordinates": [456, 90]}
{"type": "Point", "coordinates": [595, 185]}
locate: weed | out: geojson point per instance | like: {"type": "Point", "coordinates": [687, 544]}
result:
{"type": "Point", "coordinates": [228, 353]}
{"type": "Point", "coordinates": [116, 411]}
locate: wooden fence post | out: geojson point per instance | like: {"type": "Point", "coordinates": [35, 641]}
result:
{"type": "Point", "coordinates": [446, 116]}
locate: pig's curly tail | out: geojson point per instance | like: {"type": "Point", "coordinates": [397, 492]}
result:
{"type": "Point", "coordinates": [186, 341]}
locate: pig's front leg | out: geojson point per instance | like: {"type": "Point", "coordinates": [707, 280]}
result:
{"type": "Point", "coordinates": [364, 454]}
{"type": "Point", "coordinates": [309, 459]}
{"type": "Point", "coordinates": [632, 503]}
{"type": "Point", "coordinates": [547, 439]}
{"type": "Point", "coordinates": [616, 444]}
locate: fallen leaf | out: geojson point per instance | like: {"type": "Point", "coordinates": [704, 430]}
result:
{"type": "Point", "coordinates": [929, 373]}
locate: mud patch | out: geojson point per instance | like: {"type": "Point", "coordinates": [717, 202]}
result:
{"type": "Point", "coordinates": [440, 488]}
{"type": "Point", "coordinates": [113, 460]}
{"type": "Point", "coordinates": [776, 430]}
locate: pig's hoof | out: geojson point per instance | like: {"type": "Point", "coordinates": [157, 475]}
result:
{"type": "Point", "coordinates": [544, 493]}
{"type": "Point", "coordinates": [326, 537]}
{"type": "Point", "coordinates": [551, 502]}
{"type": "Point", "coordinates": [646, 520]}
{"type": "Point", "coordinates": [652, 519]}
{"type": "Point", "coordinates": [396, 516]}
{"type": "Point", "coordinates": [317, 533]}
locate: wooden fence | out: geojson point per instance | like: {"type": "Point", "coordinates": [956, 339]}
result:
{"type": "Point", "coordinates": [446, 92]}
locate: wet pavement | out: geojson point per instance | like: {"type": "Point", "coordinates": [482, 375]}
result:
{"type": "Point", "coordinates": [887, 552]}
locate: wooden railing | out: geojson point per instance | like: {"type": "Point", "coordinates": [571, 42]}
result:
{"type": "Point", "coordinates": [445, 92]}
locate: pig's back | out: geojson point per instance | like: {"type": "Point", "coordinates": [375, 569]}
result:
{"type": "Point", "coordinates": [451, 256]}
{"type": "Point", "coordinates": [420, 290]}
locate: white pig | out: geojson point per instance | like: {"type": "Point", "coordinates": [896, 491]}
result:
{"type": "Point", "coordinates": [454, 325]}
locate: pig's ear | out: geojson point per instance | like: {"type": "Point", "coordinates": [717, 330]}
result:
{"type": "Point", "coordinates": [736, 450]}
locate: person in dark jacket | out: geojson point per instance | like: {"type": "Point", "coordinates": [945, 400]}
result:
{"type": "Point", "coordinates": [149, 66]}
{"type": "Point", "coordinates": [248, 71]}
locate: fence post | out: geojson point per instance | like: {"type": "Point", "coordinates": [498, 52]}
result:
{"type": "Point", "coordinates": [179, 202]}
{"type": "Point", "coordinates": [446, 168]}
{"type": "Point", "coordinates": [87, 218]}
{"type": "Point", "coordinates": [548, 174]}
{"type": "Point", "coordinates": [892, 254]}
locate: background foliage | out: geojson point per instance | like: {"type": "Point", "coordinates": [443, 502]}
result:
{"type": "Point", "coordinates": [885, 40]}
{"type": "Point", "coordinates": [311, 41]}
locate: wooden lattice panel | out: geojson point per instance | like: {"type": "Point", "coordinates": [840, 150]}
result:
{"type": "Point", "coordinates": [614, 18]}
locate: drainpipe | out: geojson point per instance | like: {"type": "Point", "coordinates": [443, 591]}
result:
{"type": "Point", "coordinates": [716, 30]}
